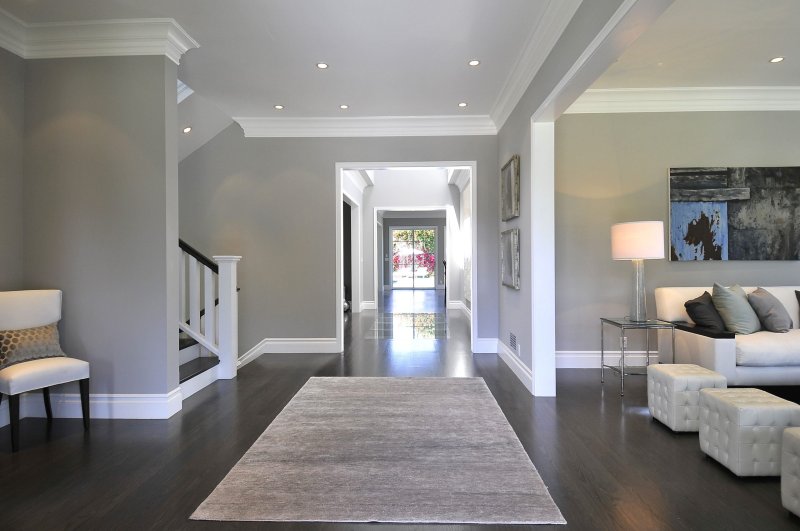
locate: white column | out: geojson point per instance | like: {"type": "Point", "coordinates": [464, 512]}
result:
{"type": "Point", "coordinates": [542, 253]}
{"type": "Point", "coordinates": [228, 331]}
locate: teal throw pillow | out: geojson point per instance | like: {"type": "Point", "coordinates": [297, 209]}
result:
{"type": "Point", "coordinates": [736, 312]}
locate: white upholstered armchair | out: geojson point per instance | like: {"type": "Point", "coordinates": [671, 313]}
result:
{"type": "Point", "coordinates": [30, 355]}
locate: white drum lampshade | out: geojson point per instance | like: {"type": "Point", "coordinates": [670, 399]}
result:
{"type": "Point", "coordinates": [638, 241]}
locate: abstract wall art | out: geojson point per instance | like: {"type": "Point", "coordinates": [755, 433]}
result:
{"type": "Point", "coordinates": [734, 213]}
{"type": "Point", "coordinates": [509, 258]}
{"type": "Point", "coordinates": [509, 189]}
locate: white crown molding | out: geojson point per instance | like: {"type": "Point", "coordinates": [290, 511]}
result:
{"type": "Point", "coordinates": [537, 47]}
{"type": "Point", "coordinates": [368, 176]}
{"type": "Point", "coordinates": [184, 91]}
{"type": "Point", "coordinates": [366, 126]}
{"type": "Point", "coordinates": [687, 99]}
{"type": "Point", "coordinates": [97, 38]}
{"type": "Point", "coordinates": [12, 33]}
{"type": "Point", "coordinates": [458, 177]}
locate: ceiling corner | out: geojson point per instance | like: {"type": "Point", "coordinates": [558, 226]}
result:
{"type": "Point", "coordinates": [12, 33]}
{"type": "Point", "coordinates": [538, 45]}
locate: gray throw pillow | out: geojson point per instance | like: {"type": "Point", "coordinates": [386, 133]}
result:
{"type": "Point", "coordinates": [28, 344]}
{"type": "Point", "coordinates": [770, 311]}
{"type": "Point", "coordinates": [736, 312]}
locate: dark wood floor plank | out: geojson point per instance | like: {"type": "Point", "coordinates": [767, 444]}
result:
{"type": "Point", "coordinates": [607, 464]}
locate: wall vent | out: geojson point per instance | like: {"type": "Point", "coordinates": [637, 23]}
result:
{"type": "Point", "coordinates": [512, 341]}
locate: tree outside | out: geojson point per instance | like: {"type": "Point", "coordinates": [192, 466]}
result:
{"type": "Point", "coordinates": [413, 256]}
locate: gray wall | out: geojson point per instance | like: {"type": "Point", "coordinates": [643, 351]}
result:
{"type": "Point", "coordinates": [612, 168]}
{"type": "Point", "coordinates": [12, 101]}
{"type": "Point", "coordinates": [100, 220]}
{"type": "Point", "coordinates": [515, 138]}
{"type": "Point", "coordinates": [273, 202]}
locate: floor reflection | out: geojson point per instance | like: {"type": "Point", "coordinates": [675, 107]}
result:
{"type": "Point", "coordinates": [409, 326]}
{"type": "Point", "coordinates": [410, 334]}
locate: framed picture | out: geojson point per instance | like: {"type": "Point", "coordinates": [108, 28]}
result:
{"type": "Point", "coordinates": [745, 213]}
{"type": "Point", "coordinates": [509, 258]}
{"type": "Point", "coordinates": [509, 189]}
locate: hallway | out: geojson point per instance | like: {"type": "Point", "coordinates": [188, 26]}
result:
{"type": "Point", "coordinates": [411, 334]}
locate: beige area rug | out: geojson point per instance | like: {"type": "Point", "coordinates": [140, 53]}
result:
{"type": "Point", "coordinates": [402, 450]}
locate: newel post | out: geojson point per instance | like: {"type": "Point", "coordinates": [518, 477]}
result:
{"type": "Point", "coordinates": [228, 317]}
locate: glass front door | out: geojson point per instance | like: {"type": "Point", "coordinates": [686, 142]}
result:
{"type": "Point", "coordinates": [414, 258]}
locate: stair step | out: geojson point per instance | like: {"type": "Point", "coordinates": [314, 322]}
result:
{"type": "Point", "coordinates": [186, 342]}
{"type": "Point", "coordinates": [190, 369]}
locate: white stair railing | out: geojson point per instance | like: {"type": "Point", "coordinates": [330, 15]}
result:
{"type": "Point", "coordinates": [215, 326]}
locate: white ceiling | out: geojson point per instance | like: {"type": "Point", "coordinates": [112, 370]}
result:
{"type": "Point", "coordinates": [386, 57]}
{"type": "Point", "coordinates": [713, 43]}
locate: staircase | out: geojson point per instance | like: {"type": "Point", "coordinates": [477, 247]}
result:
{"type": "Point", "coordinates": [194, 360]}
{"type": "Point", "coordinates": [208, 320]}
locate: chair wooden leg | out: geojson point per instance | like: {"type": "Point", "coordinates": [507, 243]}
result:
{"type": "Point", "coordinates": [13, 409]}
{"type": "Point", "coordinates": [47, 408]}
{"type": "Point", "coordinates": [84, 385]}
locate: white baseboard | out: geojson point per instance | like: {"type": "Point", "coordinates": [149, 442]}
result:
{"type": "Point", "coordinates": [251, 354]}
{"type": "Point", "coordinates": [368, 305]}
{"type": "Point", "coordinates": [101, 406]}
{"type": "Point", "coordinates": [511, 359]}
{"type": "Point", "coordinates": [202, 380]}
{"type": "Point", "coordinates": [290, 345]}
{"type": "Point", "coordinates": [485, 345]}
{"type": "Point", "coordinates": [459, 305]}
{"type": "Point", "coordinates": [590, 359]}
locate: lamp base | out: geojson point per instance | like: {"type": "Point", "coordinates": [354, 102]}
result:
{"type": "Point", "coordinates": [639, 301]}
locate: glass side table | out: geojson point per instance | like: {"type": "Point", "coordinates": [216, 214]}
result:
{"type": "Point", "coordinates": [624, 324]}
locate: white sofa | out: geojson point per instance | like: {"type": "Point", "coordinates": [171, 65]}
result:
{"type": "Point", "coordinates": [762, 358]}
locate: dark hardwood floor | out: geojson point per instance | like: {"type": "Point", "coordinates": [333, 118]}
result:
{"type": "Point", "coordinates": [606, 463]}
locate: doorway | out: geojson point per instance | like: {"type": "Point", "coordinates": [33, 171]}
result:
{"type": "Point", "coordinates": [414, 257]}
{"type": "Point", "coordinates": [352, 178]}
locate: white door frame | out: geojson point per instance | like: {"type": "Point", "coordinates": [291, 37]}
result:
{"type": "Point", "coordinates": [340, 168]}
{"type": "Point", "coordinates": [355, 251]}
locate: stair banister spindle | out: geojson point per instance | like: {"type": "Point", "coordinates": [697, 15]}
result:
{"type": "Point", "coordinates": [194, 294]}
{"type": "Point", "coordinates": [182, 283]}
{"type": "Point", "coordinates": [209, 322]}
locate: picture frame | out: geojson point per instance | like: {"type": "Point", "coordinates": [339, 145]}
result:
{"type": "Point", "coordinates": [509, 258]}
{"type": "Point", "coordinates": [509, 189]}
{"type": "Point", "coordinates": [734, 213]}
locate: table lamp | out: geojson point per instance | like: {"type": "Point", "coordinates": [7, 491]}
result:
{"type": "Point", "coordinates": [638, 241]}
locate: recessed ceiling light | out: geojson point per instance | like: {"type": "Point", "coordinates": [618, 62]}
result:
{"type": "Point", "coordinates": [344, 107]}
{"type": "Point", "coordinates": [279, 107]}
{"type": "Point", "coordinates": [776, 60]}
{"type": "Point", "coordinates": [462, 104]}
{"type": "Point", "coordinates": [322, 66]}
{"type": "Point", "coordinates": [187, 130]}
{"type": "Point", "coordinates": [474, 62]}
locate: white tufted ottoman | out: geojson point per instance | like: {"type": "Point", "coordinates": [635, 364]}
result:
{"type": "Point", "coordinates": [790, 470]}
{"type": "Point", "coordinates": [743, 429]}
{"type": "Point", "coordinates": [673, 393]}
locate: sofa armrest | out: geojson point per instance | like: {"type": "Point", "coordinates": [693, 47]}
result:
{"type": "Point", "coordinates": [716, 354]}
{"type": "Point", "coordinates": [703, 331]}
